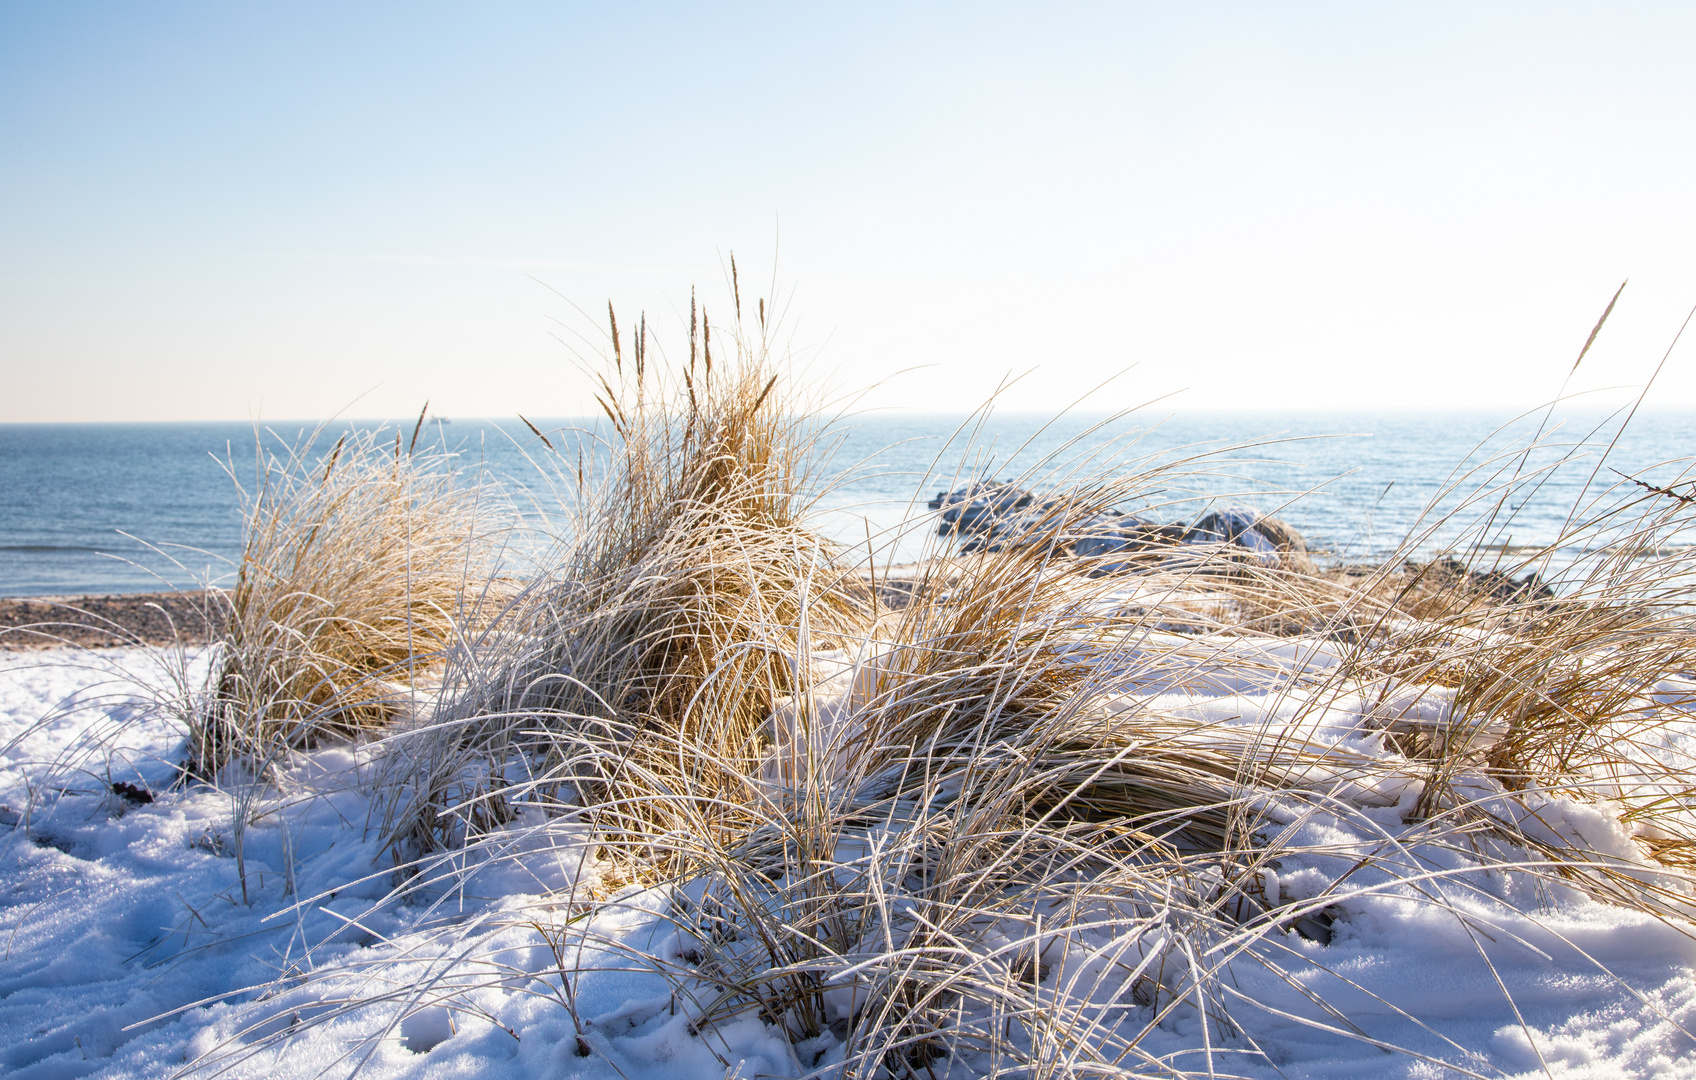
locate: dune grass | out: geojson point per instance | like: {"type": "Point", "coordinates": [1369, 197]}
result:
{"type": "Point", "coordinates": [359, 567]}
{"type": "Point", "coordinates": [641, 672]}
{"type": "Point", "coordinates": [980, 830]}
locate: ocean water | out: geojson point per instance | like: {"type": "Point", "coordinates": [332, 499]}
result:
{"type": "Point", "coordinates": [1358, 486]}
{"type": "Point", "coordinates": [112, 508]}
{"type": "Point", "coordinates": [124, 508]}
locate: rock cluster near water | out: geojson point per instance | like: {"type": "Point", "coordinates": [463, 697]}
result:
{"type": "Point", "coordinates": [1496, 584]}
{"type": "Point", "coordinates": [995, 516]}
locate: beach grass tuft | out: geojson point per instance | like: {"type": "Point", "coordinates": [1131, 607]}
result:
{"type": "Point", "coordinates": [359, 567]}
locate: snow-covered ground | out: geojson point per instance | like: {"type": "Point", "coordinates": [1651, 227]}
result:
{"type": "Point", "coordinates": [143, 938]}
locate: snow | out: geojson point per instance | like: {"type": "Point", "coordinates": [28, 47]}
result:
{"type": "Point", "coordinates": [138, 939]}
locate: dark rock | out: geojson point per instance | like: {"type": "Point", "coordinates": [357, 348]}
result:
{"type": "Point", "coordinates": [1264, 540]}
{"type": "Point", "coordinates": [1121, 534]}
{"type": "Point", "coordinates": [1237, 528]}
{"type": "Point", "coordinates": [1315, 926]}
{"type": "Point", "coordinates": [995, 516]}
{"type": "Point", "coordinates": [977, 507]}
{"type": "Point", "coordinates": [1500, 586]}
{"type": "Point", "coordinates": [131, 793]}
{"type": "Point", "coordinates": [1012, 531]}
{"type": "Point", "coordinates": [1118, 543]}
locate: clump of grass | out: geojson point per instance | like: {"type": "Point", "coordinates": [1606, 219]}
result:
{"type": "Point", "coordinates": [964, 786]}
{"type": "Point", "coordinates": [1564, 663]}
{"type": "Point", "coordinates": [643, 670]}
{"type": "Point", "coordinates": [358, 569]}
{"type": "Point", "coordinates": [1583, 687]}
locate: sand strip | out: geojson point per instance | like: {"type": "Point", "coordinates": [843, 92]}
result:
{"type": "Point", "coordinates": [104, 621]}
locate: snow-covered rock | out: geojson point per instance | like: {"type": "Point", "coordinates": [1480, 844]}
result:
{"type": "Point", "coordinates": [994, 515]}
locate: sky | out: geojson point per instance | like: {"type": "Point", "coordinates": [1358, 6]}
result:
{"type": "Point", "coordinates": [230, 211]}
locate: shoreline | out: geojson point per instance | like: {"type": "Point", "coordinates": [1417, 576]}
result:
{"type": "Point", "coordinates": [99, 621]}
{"type": "Point", "coordinates": [104, 621]}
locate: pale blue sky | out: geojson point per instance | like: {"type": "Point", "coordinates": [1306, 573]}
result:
{"type": "Point", "coordinates": [219, 210]}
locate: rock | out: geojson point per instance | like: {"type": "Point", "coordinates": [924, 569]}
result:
{"type": "Point", "coordinates": [132, 793]}
{"type": "Point", "coordinates": [1233, 527]}
{"type": "Point", "coordinates": [1011, 518]}
{"type": "Point", "coordinates": [1125, 535]}
{"type": "Point", "coordinates": [1020, 528]}
{"type": "Point", "coordinates": [977, 507]}
{"type": "Point", "coordinates": [1449, 571]}
{"type": "Point", "coordinates": [995, 516]}
{"type": "Point", "coordinates": [1282, 536]}
{"type": "Point", "coordinates": [1263, 540]}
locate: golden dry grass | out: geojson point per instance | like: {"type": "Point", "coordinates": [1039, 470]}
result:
{"type": "Point", "coordinates": [357, 570]}
{"type": "Point", "coordinates": [908, 803]}
{"type": "Point", "coordinates": [645, 666]}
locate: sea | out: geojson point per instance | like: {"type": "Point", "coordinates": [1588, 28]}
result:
{"type": "Point", "coordinates": [123, 508]}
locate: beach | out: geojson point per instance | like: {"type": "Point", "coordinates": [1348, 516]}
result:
{"type": "Point", "coordinates": [1149, 785]}
{"type": "Point", "coordinates": [130, 619]}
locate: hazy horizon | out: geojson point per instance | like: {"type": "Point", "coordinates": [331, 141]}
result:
{"type": "Point", "coordinates": [1154, 416]}
{"type": "Point", "coordinates": [210, 213]}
